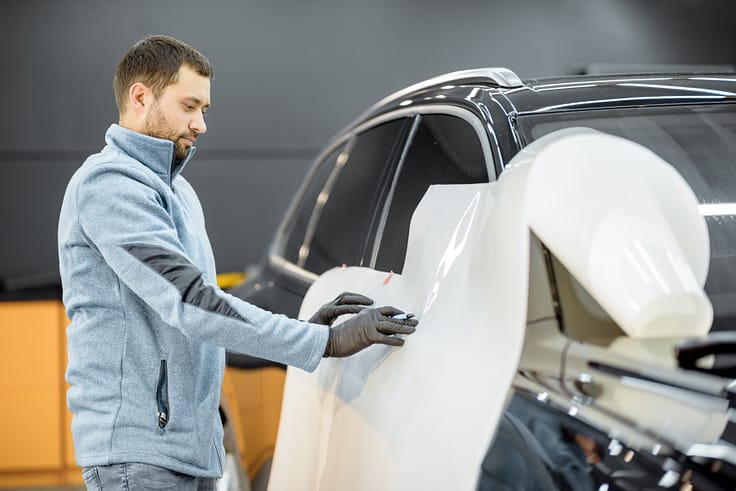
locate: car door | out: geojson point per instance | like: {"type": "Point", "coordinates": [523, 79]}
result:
{"type": "Point", "coordinates": [349, 202]}
{"type": "Point", "coordinates": [330, 222]}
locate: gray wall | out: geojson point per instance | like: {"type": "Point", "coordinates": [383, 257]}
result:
{"type": "Point", "coordinates": [289, 74]}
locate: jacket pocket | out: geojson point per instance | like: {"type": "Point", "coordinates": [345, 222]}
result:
{"type": "Point", "coordinates": [162, 396]}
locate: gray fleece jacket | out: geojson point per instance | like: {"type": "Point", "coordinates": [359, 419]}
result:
{"type": "Point", "coordinates": [149, 326]}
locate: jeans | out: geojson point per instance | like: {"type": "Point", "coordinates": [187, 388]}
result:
{"type": "Point", "coordinates": [135, 476]}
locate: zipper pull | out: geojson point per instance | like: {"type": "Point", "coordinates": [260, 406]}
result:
{"type": "Point", "coordinates": [162, 396]}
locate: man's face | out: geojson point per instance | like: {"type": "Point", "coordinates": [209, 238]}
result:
{"type": "Point", "coordinates": [178, 113]}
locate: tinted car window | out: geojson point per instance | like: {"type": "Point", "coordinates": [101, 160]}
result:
{"type": "Point", "coordinates": [349, 201]}
{"type": "Point", "coordinates": [300, 223]}
{"type": "Point", "coordinates": [700, 142]}
{"type": "Point", "coordinates": [443, 150]}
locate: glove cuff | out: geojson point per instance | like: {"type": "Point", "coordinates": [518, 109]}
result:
{"type": "Point", "coordinates": [329, 349]}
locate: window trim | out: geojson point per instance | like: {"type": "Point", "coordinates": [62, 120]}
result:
{"type": "Point", "coordinates": [276, 250]}
{"type": "Point", "coordinates": [378, 236]}
{"type": "Point", "coordinates": [319, 206]}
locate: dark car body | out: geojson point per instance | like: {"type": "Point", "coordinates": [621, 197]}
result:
{"type": "Point", "coordinates": [465, 127]}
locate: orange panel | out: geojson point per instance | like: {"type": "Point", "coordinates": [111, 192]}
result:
{"type": "Point", "coordinates": [68, 443]}
{"type": "Point", "coordinates": [29, 388]}
{"type": "Point", "coordinates": [30, 427]}
{"type": "Point", "coordinates": [258, 395]}
{"type": "Point", "coordinates": [73, 477]}
{"type": "Point", "coordinates": [29, 345]}
{"type": "Point", "coordinates": [29, 479]}
{"type": "Point", "coordinates": [273, 385]}
{"type": "Point", "coordinates": [230, 400]}
{"type": "Point", "coordinates": [273, 390]}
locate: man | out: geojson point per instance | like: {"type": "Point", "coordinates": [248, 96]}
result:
{"type": "Point", "coordinates": [149, 326]}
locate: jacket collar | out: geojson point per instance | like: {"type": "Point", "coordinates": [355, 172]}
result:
{"type": "Point", "coordinates": [157, 154]}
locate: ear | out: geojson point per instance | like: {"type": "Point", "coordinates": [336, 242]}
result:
{"type": "Point", "coordinates": [138, 97]}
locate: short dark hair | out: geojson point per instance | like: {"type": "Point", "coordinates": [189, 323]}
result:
{"type": "Point", "coordinates": [155, 61]}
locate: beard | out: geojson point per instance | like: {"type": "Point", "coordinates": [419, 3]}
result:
{"type": "Point", "coordinates": [158, 126]}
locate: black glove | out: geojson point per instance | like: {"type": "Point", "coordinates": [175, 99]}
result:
{"type": "Point", "coordinates": [345, 303]}
{"type": "Point", "coordinates": [369, 327]}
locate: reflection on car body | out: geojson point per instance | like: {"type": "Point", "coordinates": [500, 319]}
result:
{"type": "Point", "coordinates": [355, 208]}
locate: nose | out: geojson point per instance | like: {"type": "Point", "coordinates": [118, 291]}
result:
{"type": "Point", "coordinates": [198, 125]}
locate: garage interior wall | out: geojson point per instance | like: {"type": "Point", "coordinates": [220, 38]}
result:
{"type": "Point", "coordinates": [288, 75]}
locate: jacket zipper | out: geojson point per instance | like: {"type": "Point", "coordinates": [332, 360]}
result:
{"type": "Point", "coordinates": [162, 396]}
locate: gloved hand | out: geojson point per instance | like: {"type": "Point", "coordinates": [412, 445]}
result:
{"type": "Point", "coordinates": [369, 327]}
{"type": "Point", "coordinates": [345, 303]}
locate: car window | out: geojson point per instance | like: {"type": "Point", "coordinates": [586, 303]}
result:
{"type": "Point", "coordinates": [348, 203]}
{"type": "Point", "coordinates": [299, 225]}
{"type": "Point", "coordinates": [444, 149]}
{"type": "Point", "coordinates": [700, 142]}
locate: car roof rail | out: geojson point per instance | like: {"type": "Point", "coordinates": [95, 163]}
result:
{"type": "Point", "coordinates": [497, 76]}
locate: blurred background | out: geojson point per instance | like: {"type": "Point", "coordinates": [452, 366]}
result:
{"type": "Point", "coordinates": [288, 75]}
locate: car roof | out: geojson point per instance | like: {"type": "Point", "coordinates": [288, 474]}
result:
{"type": "Point", "coordinates": [621, 90]}
{"type": "Point", "coordinates": [565, 93]}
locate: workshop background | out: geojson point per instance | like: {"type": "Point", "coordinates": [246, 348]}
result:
{"type": "Point", "coordinates": [289, 74]}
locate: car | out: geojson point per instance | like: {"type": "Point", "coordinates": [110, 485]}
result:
{"type": "Point", "coordinates": [586, 404]}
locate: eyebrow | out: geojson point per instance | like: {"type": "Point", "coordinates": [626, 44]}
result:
{"type": "Point", "coordinates": [195, 100]}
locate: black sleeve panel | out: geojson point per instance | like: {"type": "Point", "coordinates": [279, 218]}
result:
{"type": "Point", "coordinates": [184, 275]}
